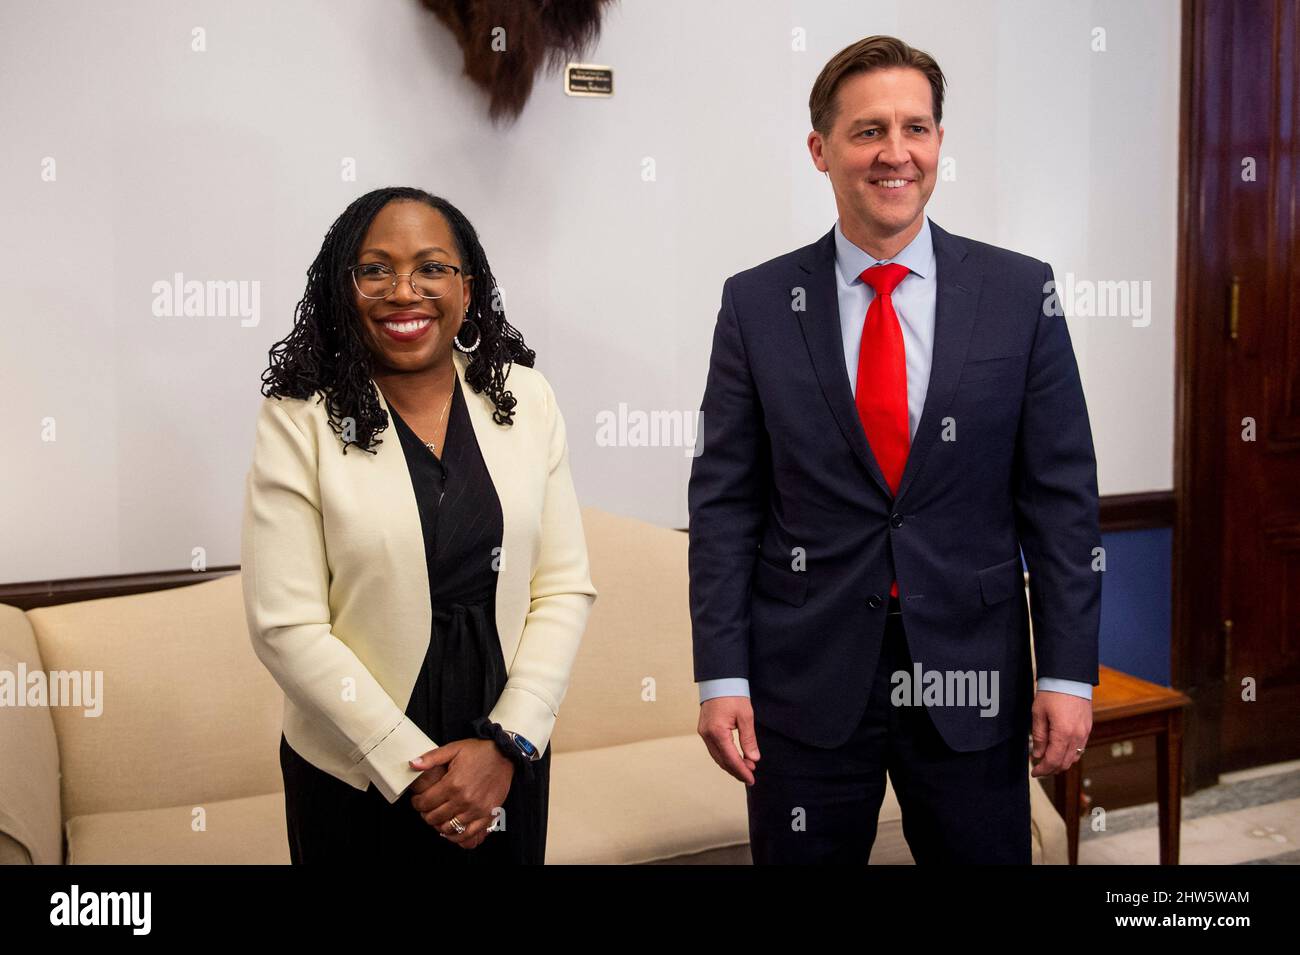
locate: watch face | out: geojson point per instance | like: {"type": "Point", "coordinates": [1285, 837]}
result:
{"type": "Point", "coordinates": [525, 747]}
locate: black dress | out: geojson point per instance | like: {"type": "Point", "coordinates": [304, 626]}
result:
{"type": "Point", "coordinates": [464, 672]}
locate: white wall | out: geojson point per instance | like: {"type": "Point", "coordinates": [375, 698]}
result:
{"type": "Point", "coordinates": [225, 165]}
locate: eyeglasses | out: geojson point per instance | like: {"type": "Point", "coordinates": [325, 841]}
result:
{"type": "Point", "coordinates": [430, 280]}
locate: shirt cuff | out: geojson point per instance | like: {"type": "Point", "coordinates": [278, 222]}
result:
{"type": "Point", "coordinates": [728, 686]}
{"type": "Point", "coordinates": [738, 686]}
{"type": "Point", "coordinates": [1073, 687]}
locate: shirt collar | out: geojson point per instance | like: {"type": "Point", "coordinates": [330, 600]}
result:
{"type": "Point", "coordinates": [853, 261]}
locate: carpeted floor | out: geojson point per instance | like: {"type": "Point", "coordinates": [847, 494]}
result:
{"type": "Point", "coordinates": [1249, 818]}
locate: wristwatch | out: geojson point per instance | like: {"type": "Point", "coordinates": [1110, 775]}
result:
{"type": "Point", "coordinates": [526, 749]}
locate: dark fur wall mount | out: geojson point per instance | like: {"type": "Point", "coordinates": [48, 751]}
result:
{"type": "Point", "coordinates": [537, 34]}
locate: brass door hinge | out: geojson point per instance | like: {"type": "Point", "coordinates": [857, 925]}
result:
{"type": "Point", "coordinates": [1227, 648]}
{"type": "Point", "coordinates": [1234, 308]}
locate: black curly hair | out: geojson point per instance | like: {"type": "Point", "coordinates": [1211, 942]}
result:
{"type": "Point", "coordinates": [325, 352]}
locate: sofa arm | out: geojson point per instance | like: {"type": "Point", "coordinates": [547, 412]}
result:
{"type": "Point", "coordinates": [31, 814]}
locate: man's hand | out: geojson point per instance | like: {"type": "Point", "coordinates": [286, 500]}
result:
{"type": "Point", "coordinates": [1061, 724]}
{"type": "Point", "coordinates": [718, 717]}
{"type": "Point", "coordinates": [467, 779]}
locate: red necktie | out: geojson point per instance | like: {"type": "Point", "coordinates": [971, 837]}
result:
{"type": "Point", "coordinates": [881, 391]}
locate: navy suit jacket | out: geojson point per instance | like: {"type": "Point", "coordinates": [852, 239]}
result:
{"type": "Point", "coordinates": [795, 535]}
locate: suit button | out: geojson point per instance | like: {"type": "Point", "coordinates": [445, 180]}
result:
{"type": "Point", "coordinates": [896, 520]}
{"type": "Point", "coordinates": [874, 602]}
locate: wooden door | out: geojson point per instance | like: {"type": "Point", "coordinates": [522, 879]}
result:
{"type": "Point", "coordinates": [1237, 536]}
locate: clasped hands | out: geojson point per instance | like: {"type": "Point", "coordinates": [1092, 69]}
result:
{"type": "Point", "coordinates": [466, 779]}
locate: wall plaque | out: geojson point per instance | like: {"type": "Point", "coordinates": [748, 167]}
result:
{"type": "Point", "coordinates": [587, 79]}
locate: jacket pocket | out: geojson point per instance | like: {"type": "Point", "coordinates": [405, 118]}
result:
{"type": "Point", "coordinates": [781, 583]}
{"type": "Point", "coordinates": [1001, 581]}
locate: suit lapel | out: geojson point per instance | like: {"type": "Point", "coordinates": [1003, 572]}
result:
{"type": "Point", "coordinates": [493, 439]}
{"type": "Point", "coordinates": [959, 279]}
{"type": "Point", "coordinates": [511, 470]}
{"type": "Point", "coordinates": [958, 284]}
{"type": "Point", "coordinates": [820, 323]}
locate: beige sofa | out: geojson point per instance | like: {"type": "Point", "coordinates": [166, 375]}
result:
{"type": "Point", "coordinates": [182, 764]}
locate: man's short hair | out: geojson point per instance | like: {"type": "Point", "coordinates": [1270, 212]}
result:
{"type": "Point", "coordinates": [869, 54]}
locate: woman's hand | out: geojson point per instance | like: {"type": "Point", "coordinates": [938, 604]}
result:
{"type": "Point", "coordinates": [475, 779]}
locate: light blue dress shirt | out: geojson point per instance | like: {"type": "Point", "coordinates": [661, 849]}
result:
{"type": "Point", "coordinates": [914, 302]}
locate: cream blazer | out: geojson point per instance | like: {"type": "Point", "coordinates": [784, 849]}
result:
{"type": "Point", "coordinates": [336, 585]}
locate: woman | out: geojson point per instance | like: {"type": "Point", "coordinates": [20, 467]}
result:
{"type": "Point", "coordinates": [420, 600]}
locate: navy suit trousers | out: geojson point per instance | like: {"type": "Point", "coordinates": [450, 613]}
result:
{"type": "Point", "coordinates": [813, 805]}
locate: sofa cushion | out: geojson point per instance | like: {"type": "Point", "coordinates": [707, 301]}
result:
{"type": "Point", "coordinates": [247, 831]}
{"type": "Point", "coordinates": [30, 813]}
{"type": "Point", "coordinates": [638, 802]}
{"type": "Point", "coordinates": [189, 714]}
{"type": "Point", "coordinates": [662, 800]}
{"type": "Point", "coordinates": [634, 677]}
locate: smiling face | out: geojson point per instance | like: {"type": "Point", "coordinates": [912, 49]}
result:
{"type": "Point", "coordinates": [404, 331]}
{"type": "Point", "coordinates": [881, 153]}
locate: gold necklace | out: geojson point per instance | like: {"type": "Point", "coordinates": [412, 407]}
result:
{"type": "Point", "coordinates": [432, 446]}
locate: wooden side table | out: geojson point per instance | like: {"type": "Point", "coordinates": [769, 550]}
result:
{"type": "Point", "coordinates": [1123, 707]}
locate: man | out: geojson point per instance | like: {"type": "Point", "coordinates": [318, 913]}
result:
{"type": "Point", "coordinates": [891, 415]}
